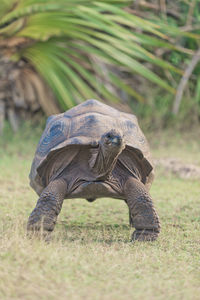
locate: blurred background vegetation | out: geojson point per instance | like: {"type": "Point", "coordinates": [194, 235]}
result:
{"type": "Point", "coordinates": [140, 56]}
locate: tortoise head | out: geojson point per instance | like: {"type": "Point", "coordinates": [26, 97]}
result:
{"type": "Point", "coordinates": [111, 145]}
{"type": "Point", "coordinates": [112, 140]}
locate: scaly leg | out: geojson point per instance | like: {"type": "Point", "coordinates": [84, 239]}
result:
{"type": "Point", "coordinates": [142, 212]}
{"type": "Point", "coordinates": [48, 207]}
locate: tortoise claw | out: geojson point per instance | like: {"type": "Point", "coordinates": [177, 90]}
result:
{"type": "Point", "coordinates": [45, 236]}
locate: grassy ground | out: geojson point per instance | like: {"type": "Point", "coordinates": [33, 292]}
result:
{"type": "Point", "coordinates": [90, 256]}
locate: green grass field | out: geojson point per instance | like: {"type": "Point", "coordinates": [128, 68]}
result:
{"type": "Point", "coordinates": [90, 255]}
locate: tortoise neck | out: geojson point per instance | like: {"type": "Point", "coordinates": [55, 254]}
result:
{"type": "Point", "coordinates": [105, 159]}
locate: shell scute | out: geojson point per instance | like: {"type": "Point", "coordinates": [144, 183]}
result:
{"type": "Point", "coordinates": [53, 136]}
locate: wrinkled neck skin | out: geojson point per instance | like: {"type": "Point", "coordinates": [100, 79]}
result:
{"type": "Point", "coordinates": [104, 159]}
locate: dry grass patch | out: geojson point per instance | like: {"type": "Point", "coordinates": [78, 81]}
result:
{"type": "Point", "coordinates": [90, 256]}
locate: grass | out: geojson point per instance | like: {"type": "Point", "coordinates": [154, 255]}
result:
{"type": "Point", "coordinates": [90, 256]}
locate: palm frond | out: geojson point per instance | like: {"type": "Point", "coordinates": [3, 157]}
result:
{"type": "Point", "coordinates": [66, 36]}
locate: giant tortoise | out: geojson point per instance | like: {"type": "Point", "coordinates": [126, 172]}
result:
{"type": "Point", "coordinates": [93, 151]}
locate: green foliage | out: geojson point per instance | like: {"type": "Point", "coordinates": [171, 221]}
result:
{"type": "Point", "coordinates": [182, 28]}
{"type": "Point", "coordinates": [100, 49]}
{"type": "Point", "coordinates": [72, 44]}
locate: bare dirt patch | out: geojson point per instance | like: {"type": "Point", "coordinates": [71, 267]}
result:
{"type": "Point", "coordinates": [178, 168]}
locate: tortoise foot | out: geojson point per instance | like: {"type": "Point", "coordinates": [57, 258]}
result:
{"type": "Point", "coordinates": [44, 235]}
{"type": "Point", "coordinates": [38, 221]}
{"type": "Point", "coordinates": [40, 227]}
{"type": "Point", "coordinates": [145, 235]}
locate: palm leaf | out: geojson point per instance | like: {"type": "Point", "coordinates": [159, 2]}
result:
{"type": "Point", "coordinates": [67, 34]}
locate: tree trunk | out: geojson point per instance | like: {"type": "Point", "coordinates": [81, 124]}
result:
{"type": "Point", "coordinates": [23, 93]}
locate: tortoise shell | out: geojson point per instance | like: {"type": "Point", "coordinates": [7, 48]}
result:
{"type": "Point", "coordinates": [83, 125]}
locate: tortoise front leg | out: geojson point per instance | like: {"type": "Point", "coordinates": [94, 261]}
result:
{"type": "Point", "coordinates": [142, 212]}
{"type": "Point", "coordinates": [48, 207]}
